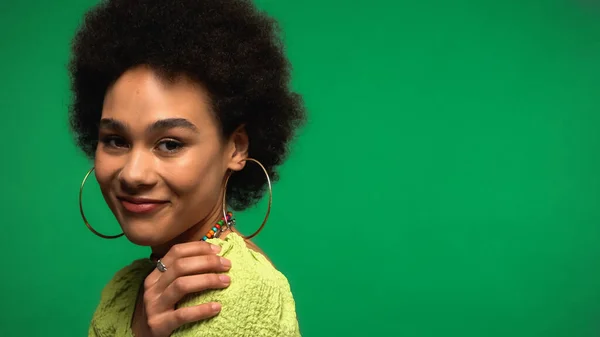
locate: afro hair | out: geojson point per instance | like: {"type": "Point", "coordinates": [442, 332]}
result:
{"type": "Point", "coordinates": [229, 46]}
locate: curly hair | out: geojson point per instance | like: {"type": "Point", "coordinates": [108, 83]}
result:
{"type": "Point", "coordinates": [229, 46]}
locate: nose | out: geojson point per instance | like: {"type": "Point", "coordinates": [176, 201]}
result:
{"type": "Point", "coordinates": [138, 172]}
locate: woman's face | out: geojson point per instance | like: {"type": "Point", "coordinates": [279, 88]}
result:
{"type": "Point", "coordinates": [160, 161]}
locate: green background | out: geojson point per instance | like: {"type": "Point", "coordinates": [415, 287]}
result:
{"type": "Point", "coordinates": [446, 184]}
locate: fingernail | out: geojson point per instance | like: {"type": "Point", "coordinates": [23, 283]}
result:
{"type": "Point", "coordinates": [225, 279]}
{"type": "Point", "coordinates": [215, 307]}
{"type": "Point", "coordinates": [225, 262]}
{"type": "Point", "coordinates": [215, 248]}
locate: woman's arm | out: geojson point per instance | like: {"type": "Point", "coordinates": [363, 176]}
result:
{"type": "Point", "coordinates": [255, 308]}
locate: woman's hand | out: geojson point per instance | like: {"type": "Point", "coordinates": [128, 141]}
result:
{"type": "Point", "coordinates": [191, 267]}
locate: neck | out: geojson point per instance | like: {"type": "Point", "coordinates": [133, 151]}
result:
{"type": "Point", "coordinates": [194, 233]}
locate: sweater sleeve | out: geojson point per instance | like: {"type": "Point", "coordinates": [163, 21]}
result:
{"type": "Point", "coordinates": [258, 303]}
{"type": "Point", "coordinates": [262, 312]}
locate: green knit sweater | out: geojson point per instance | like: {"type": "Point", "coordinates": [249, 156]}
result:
{"type": "Point", "coordinates": [258, 303]}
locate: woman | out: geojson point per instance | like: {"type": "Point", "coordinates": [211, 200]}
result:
{"type": "Point", "coordinates": [181, 105]}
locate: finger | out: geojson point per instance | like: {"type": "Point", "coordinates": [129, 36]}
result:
{"type": "Point", "coordinates": [194, 248]}
{"type": "Point", "coordinates": [171, 321]}
{"type": "Point", "coordinates": [193, 266]}
{"type": "Point", "coordinates": [189, 285]}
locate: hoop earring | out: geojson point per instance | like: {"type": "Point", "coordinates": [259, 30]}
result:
{"type": "Point", "coordinates": [270, 199]}
{"type": "Point", "coordinates": [83, 215]}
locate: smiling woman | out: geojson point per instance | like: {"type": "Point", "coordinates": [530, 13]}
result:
{"type": "Point", "coordinates": [161, 159]}
{"type": "Point", "coordinates": [170, 99]}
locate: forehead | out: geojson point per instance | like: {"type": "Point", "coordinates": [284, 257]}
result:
{"type": "Point", "coordinates": [140, 97]}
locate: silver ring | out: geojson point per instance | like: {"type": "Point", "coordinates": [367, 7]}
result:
{"type": "Point", "coordinates": [161, 266]}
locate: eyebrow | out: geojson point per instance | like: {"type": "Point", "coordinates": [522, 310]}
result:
{"type": "Point", "coordinates": [160, 125]}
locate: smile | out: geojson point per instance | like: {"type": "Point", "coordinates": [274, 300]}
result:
{"type": "Point", "coordinates": [141, 205]}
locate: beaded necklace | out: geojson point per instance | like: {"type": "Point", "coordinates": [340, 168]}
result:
{"type": "Point", "coordinates": [214, 232]}
{"type": "Point", "coordinates": [220, 227]}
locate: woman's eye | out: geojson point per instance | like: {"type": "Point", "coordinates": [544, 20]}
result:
{"type": "Point", "coordinates": [170, 146]}
{"type": "Point", "coordinates": [114, 142]}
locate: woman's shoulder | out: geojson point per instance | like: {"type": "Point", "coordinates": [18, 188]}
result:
{"type": "Point", "coordinates": [258, 302]}
{"type": "Point", "coordinates": [249, 264]}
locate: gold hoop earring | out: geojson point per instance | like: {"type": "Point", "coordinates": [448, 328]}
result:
{"type": "Point", "coordinates": [270, 199]}
{"type": "Point", "coordinates": [83, 215]}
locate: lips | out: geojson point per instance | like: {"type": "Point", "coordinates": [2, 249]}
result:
{"type": "Point", "coordinates": [141, 205]}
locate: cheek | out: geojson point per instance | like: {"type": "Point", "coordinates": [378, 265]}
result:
{"type": "Point", "coordinates": [104, 170]}
{"type": "Point", "coordinates": [196, 180]}
{"type": "Point", "coordinates": [201, 180]}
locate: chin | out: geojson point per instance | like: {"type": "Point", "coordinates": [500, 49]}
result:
{"type": "Point", "coordinates": [142, 240]}
{"type": "Point", "coordinates": [142, 234]}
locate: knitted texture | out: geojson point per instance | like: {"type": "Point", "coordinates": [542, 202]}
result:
{"type": "Point", "coordinates": [258, 302]}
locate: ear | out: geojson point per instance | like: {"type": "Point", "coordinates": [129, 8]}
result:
{"type": "Point", "coordinates": [237, 149]}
